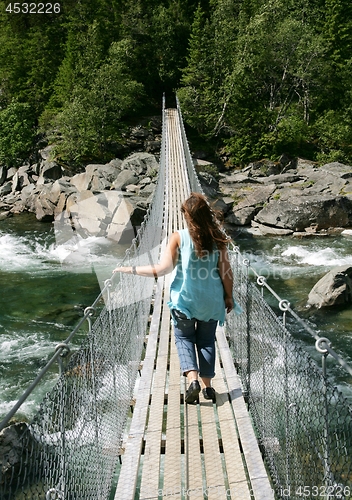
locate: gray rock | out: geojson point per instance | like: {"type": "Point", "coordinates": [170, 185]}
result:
{"type": "Point", "coordinates": [47, 153]}
{"type": "Point", "coordinates": [3, 174]}
{"type": "Point", "coordinates": [145, 181]}
{"type": "Point", "coordinates": [265, 168]}
{"type": "Point", "coordinates": [153, 146]}
{"type": "Point", "coordinates": [140, 163]}
{"type": "Point", "coordinates": [27, 191]}
{"type": "Point", "coordinates": [132, 188]}
{"type": "Point", "coordinates": [6, 188]}
{"type": "Point", "coordinates": [116, 163]}
{"type": "Point", "coordinates": [10, 173]}
{"type": "Point", "coordinates": [97, 177]}
{"type": "Point", "coordinates": [241, 217]}
{"type": "Point", "coordinates": [283, 178]}
{"type": "Point", "coordinates": [251, 200]}
{"type": "Point", "coordinates": [49, 170]}
{"type": "Point", "coordinates": [5, 215]}
{"type": "Point", "coordinates": [12, 451]}
{"type": "Point", "coordinates": [106, 214]}
{"type": "Point", "coordinates": [338, 169]}
{"type": "Point", "coordinates": [236, 178]}
{"type": "Point", "coordinates": [297, 213]}
{"type": "Point", "coordinates": [44, 207]}
{"type": "Point", "coordinates": [99, 184]}
{"type": "Point", "coordinates": [223, 205]}
{"type": "Point", "coordinates": [22, 178]}
{"type": "Point", "coordinates": [271, 231]}
{"type": "Point", "coordinates": [335, 288]}
{"type": "Point", "coordinates": [148, 190]}
{"type": "Point", "coordinates": [123, 179]}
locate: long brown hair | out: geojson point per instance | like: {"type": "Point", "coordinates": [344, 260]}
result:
{"type": "Point", "coordinates": [203, 225]}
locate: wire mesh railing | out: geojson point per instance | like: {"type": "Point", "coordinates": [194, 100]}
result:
{"type": "Point", "coordinates": [71, 447]}
{"type": "Point", "coordinates": [303, 422]}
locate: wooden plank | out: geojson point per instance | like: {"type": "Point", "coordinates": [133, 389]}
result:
{"type": "Point", "coordinates": [215, 481]}
{"type": "Point", "coordinates": [238, 485]}
{"type": "Point", "coordinates": [260, 484]}
{"type": "Point", "coordinates": [194, 474]}
{"type": "Point", "coordinates": [151, 463]}
{"type": "Point", "coordinates": [172, 470]}
{"type": "Point", "coordinates": [133, 444]}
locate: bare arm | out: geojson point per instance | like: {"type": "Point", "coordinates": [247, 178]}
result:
{"type": "Point", "coordinates": [226, 276]}
{"type": "Point", "coordinates": [165, 266]}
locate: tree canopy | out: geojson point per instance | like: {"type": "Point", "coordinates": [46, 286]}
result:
{"type": "Point", "coordinates": [256, 78]}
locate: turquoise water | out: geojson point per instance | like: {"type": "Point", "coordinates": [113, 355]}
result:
{"type": "Point", "coordinates": [46, 285]}
{"type": "Point", "coordinates": [44, 289]}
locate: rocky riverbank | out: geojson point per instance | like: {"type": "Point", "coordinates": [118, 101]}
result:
{"type": "Point", "coordinates": [294, 197]}
{"type": "Point", "coordinates": [289, 197]}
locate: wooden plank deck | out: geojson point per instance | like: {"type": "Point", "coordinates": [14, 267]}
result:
{"type": "Point", "coordinates": [173, 450]}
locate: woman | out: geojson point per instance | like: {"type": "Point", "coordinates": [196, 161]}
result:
{"type": "Point", "coordinates": [200, 291]}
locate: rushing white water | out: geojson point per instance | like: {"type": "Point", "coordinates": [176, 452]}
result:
{"type": "Point", "coordinates": [32, 252]}
{"type": "Point", "coordinates": [316, 257]}
{"type": "Point", "coordinates": [45, 287]}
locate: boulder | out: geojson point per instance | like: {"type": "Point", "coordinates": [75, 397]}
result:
{"type": "Point", "coordinates": [22, 178]}
{"type": "Point", "coordinates": [264, 168]}
{"type": "Point", "coordinates": [44, 207]}
{"type": "Point", "coordinates": [338, 169]}
{"type": "Point", "coordinates": [288, 177]}
{"type": "Point", "coordinates": [6, 188]}
{"type": "Point", "coordinates": [124, 178]}
{"type": "Point", "coordinates": [148, 190]}
{"type": "Point", "coordinates": [241, 217]}
{"type": "Point", "coordinates": [3, 174]}
{"type": "Point", "coordinates": [12, 451]}
{"type": "Point", "coordinates": [47, 153]}
{"type": "Point", "coordinates": [49, 170]}
{"type": "Point", "coordinates": [271, 231]}
{"type": "Point", "coordinates": [335, 288]}
{"type": "Point", "coordinates": [299, 212]}
{"type": "Point", "coordinates": [140, 164]}
{"type": "Point", "coordinates": [250, 200]}
{"type": "Point", "coordinates": [97, 177]}
{"type": "Point", "coordinates": [105, 214]}
{"type": "Point", "coordinates": [5, 215]}
{"type": "Point", "coordinates": [209, 184]}
{"type": "Point", "coordinates": [10, 173]}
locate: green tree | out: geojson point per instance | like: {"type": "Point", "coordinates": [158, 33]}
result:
{"type": "Point", "coordinates": [92, 117]}
{"type": "Point", "coordinates": [17, 132]}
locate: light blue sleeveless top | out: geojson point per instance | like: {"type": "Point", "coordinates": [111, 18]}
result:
{"type": "Point", "coordinates": [196, 287]}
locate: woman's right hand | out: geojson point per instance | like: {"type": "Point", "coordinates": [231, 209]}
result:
{"type": "Point", "coordinates": [229, 304]}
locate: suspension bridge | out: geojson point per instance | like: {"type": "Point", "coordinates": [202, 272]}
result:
{"type": "Point", "coordinates": [116, 426]}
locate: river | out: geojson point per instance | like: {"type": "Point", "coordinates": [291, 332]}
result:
{"type": "Point", "coordinates": [46, 285]}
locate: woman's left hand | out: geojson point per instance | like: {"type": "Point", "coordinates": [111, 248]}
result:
{"type": "Point", "coordinates": [122, 270]}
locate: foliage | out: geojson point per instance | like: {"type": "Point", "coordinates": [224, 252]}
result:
{"type": "Point", "coordinates": [16, 133]}
{"type": "Point", "coordinates": [257, 78]}
{"type": "Point", "coordinates": [90, 119]}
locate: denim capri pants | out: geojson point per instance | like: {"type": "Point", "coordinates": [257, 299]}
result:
{"type": "Point", "coordinates": [194, 336]}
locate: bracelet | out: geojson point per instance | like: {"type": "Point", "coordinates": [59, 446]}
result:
{"type": "Point", "coordinates": [155, 273]}
{"type": "Point", "coordinates": [134, 271]}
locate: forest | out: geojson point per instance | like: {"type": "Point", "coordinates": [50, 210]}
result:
{"type": "Point", "coordinates": [255, 78]}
